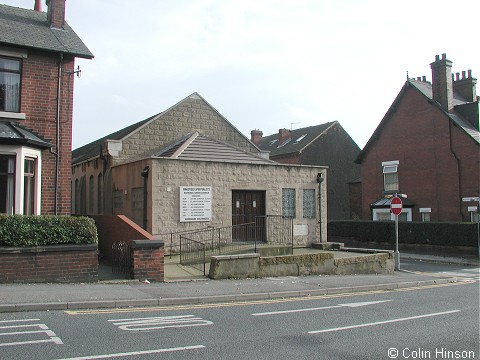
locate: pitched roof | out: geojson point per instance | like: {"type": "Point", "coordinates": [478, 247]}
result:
{"type": "Point", "coordinates": [201, 148]}
{"type": "Point", "coordinates": [92, 149]}
{"type": "Point", "coordinates": [12, 133]}
{"type": "Point", "coordinates": [424, 88]}
{"type": "Point", "coordinates": [298, 140]}
{"type": "Point", "coordinates": [29, 29]}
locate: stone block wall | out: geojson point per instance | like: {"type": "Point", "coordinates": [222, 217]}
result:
{"type": "Point", "coordinates": [189, 115]}
{"type": "Point", "coordinates": [169, 175]}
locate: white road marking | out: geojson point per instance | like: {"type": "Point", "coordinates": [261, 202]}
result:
{"type": "Point", "coordinates": [18, 334]}
{"type": "Point", "coordinates": [24, 320]}
{"type": "Point", "coordinates": [352, 305]}
{"type": "Point", "coordinates": [157, 323]}
{"type": "Point", "coordinates": [134, 353]}
{"type": "Point", "coordinates": [383, 322]}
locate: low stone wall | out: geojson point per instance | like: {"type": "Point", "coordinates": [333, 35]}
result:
{"type": "Point", "coordinates": [53, 263]}
{"type": "Point", "coordinates": [379, 263]}
{"type": "Point", "coordinates": [297, 265]}
{"type": "Point", "coordinates": [254, 266]}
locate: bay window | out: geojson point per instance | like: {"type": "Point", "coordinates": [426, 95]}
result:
{"type": "Point", "coordinates": [7, 184]}
{"type": "Point", "coordinates": [20, 180]}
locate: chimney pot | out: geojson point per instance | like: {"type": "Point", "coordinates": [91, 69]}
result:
{"type": "Point", "coordinates": [458, 76]}
{"type": "Point", "coordinates": [463, 75]}
{"type": "Point", "coordinates": [38, 5]}
{"type": "Point", "coordinates": [424, 78]}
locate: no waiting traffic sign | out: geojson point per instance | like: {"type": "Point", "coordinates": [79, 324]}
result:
{"type": "Point", "coordinates": [396, 205]}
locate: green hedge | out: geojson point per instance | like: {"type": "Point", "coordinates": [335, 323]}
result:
{"type": "Point", "coordinates": [22, 231]}
{"type": "Point", "coordinates": [419, 233]}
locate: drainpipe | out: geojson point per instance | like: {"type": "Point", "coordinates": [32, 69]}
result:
{"type": "Point", "coordinates": [145, 193]}
{"type": "Point", "coordinates": [57, 144]}
{"type": "Point", "coordinates": [459, 169]}
{"type": "Point", "coordinates": [319, 181]}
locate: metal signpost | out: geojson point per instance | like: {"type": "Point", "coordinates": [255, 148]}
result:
{"type": "Point", "coordinates": [396, 206]}
{"type": "Point", "coordinates": [475, 199]}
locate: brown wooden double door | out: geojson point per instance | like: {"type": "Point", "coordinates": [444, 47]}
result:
{"type": "Point", "coordinates": [246, 206]}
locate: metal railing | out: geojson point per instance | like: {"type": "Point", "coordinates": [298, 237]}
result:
{"type": "Point", "coordinates": [197, 247]}
{"type": "Point", "coordinates": [173, 238]}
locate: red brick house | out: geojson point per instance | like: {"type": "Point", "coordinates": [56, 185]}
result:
{"type": "Point", "coordinates": [427, 146]}
{"type": "Point", "coordinates": [37, 71]}
{"type": "Point", "coordinates": [326, 145]}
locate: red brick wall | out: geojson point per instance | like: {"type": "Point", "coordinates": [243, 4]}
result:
{"type": "Point", "coordinates": [418, 136]}
{"type": "Point", "coordinates": [147, 259]}
{"type": "Point", "coordinates": [113, 228]}
{"type": "Point", "coordinates": [39, 103]}
{"type": "Point", "coordinates": [62, 263]}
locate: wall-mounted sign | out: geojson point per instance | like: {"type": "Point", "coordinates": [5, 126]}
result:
{"type": "Point", "coordinates": [195, 203]}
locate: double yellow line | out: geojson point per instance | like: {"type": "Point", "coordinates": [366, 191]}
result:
{"type": "Point", "coordinates": [258, 302]}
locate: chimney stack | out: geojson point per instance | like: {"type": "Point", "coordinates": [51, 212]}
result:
{"type": "Point", "coordinates": [256, 136]}
{"type": "Point", "coordinates": [466, 86]}
{"type": "Point", "coordinates": [56, 13]}
{"type": "Point", "coordinates": [442, 87]}
{"type": "Point", "coordinates": [283, 134]}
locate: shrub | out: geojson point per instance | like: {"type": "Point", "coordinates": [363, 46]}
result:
{"type": "Point", "coordinates": [22, 231]}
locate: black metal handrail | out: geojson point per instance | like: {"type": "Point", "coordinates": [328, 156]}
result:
{"type": "Point", "coordinates": [198, 246]}
{"type": "Point", "coordinates": [192, 253]}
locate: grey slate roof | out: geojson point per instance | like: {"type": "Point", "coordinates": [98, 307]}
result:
{"type": "Point", "coordinates": [201, 148]}
{"type": "Point", "coordinates": [29, 29]}
{"type": "Point", "coordinates": [92, 149]}
{"type": "Point", "coordinates": [12, 133]}
{"type": "Point", "coordinates": [385, 202]}
{"type": "Point", "coordinates": [299, 139]}
{"type": "Point", "coordinates": [426, 89]}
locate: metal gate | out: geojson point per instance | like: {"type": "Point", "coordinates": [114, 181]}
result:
{"type": "Point", "coordinates": [121, 258]}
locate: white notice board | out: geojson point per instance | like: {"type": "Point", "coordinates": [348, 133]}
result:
{"type": "Point", "coordinates": [195, 203]}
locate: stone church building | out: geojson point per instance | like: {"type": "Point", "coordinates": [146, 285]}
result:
{"type": "Point", "coordinates": [188, 168]}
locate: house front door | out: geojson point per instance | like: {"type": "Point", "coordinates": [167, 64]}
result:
{"type": "Point", "coordinates": [246, 207]}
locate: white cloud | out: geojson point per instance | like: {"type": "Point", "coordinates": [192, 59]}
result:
{"type": "Point", "coordinates": [262, 64]}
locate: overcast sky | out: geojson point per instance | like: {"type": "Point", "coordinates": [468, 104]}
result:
{"type": "Point", "coordinates": [262, 64]}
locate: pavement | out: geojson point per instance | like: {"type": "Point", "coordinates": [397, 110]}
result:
{"type": "Point", "coordinates": [185, 285]}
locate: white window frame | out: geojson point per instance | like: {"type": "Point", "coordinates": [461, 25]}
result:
{"type": "Point", "coordinates": [390, 167]}
{"type": "Point", "coordinates": [376, 213]}
{"type": "Point", "coordinates": [20, 54]}
{"type": "Point", "coordinates": [424, 211]}
{"type": "Point", "coordinates": [20, 153]}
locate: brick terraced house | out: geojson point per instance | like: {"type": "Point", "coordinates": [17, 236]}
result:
{"type": "Point", "coordinates": [37, 69]}
{"type": "Point", "coordinates": [427, 147]}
